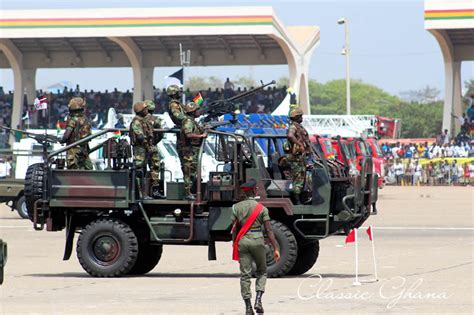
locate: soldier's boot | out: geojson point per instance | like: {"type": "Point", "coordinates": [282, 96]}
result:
{"type": "Point", "coordinates": [296, 198]}
{"type": "Point", "coordinates": [188, 195]}
{"type": "Point", "coordinates": [141, 184]}
{"type": "Point", "coordinates": [248, 307]}
{"type": "Point", "coordinates": [157, 193]}
{"type": "Point", "coordinates": [258, 303]}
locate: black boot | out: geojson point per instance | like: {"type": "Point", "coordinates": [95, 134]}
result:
{"type": "Point", "coordinates": [248, 307]}
{"type": "Point", "coordinates": [157, 194]}
{"type": "Point", "coordinates": [258, 303]}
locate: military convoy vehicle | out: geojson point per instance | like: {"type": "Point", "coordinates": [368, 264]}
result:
{"type": "Point", "coordinates": [122, 234]}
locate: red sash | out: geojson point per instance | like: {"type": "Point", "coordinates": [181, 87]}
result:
{"type": "Point", "coordinates": [250, 220]}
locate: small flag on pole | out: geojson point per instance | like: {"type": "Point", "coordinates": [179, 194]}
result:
{"type": "Point", "coordinates": [175, 79]}
{"type": "Point", "coordinates": [58, 127]}
{"type": "Point", "coordinates": [117, 134]}
{"type": "Point", "coordinates": [41, 103]}
{"type": "Point", "coordinates": [198, 99]}
{"type": "Point", "coordinates": [369, 232]}
{"type": "Point", "coordinates": [350, 238]}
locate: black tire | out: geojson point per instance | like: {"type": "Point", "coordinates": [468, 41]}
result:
{"type": "Point", "coordinates": [148, 257]}
{"type": "Point", "coordinates": [33, 186]}
{"type": "Point", "coordinates": [288, 251]}
{"type": "Point", "coordinates": [21, 208]}
{"type": "Point", "coordinates": [307, 256]}
{"type": "Point", "coordinates": [107, 248]}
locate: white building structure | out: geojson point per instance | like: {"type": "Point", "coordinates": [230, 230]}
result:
{"type": "Point", "coordinates": [148, 38]}
{"type": "Point", "coordinates": [452, 24]}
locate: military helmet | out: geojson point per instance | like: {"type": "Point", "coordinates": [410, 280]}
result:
{"type": "Point", "coordinates": [296, 112]}
{"type": "Point", "coordinates": [76, 103]}
{"type": "Point", "coordinates": [173, 90]}
{"type": "Point", "coordinates": [191, 107]}
{"type": "Point", "coordinates": [150, 105]}
{"type": "Point", "coordinates": [139, 106]}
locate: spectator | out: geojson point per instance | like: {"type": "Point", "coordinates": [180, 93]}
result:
{"type": "Point", "coordinates": [417, 173]}
{"type": "Point", "coordinates": [399, 171]}
{"type": "Point", "coordinates": [454, 173]}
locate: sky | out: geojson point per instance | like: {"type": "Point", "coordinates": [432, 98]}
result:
{"type": "Point", "coordinates": [390, 47]}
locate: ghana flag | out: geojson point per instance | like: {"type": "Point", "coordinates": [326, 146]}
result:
{"type": "Point", "coordinates": [198, 99]}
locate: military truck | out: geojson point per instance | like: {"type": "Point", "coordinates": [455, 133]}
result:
{"type": "Point", "coordinates": [122, 234]}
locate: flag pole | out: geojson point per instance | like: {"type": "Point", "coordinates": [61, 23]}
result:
{"type": "Point", "coordinates": [356, 281]}
{"type": "Point", "coordinates": [373, 252]}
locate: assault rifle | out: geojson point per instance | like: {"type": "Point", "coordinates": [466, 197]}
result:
{"type": "Point", "coordinates": [228, 106]}
{"type": "Point", "coordinates": [40, 138]}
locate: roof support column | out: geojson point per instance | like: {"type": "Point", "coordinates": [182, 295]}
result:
{"type": "Point", "coordinates": [29, 83]}
{"type": "Point", "coordinates": [135, 57]}
{"type": "Point", "coordinates": [147, 81]}
{"type": "Point", "coordinates": [15, 58]}
{"type": "Point", "coordinates": [452, 83]}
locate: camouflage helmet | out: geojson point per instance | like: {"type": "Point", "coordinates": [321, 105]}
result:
{"type": "Point", "coordinates": [150, 105]}
{"type": "Point", "coordinates": [191, 107]}
{"type": "Point", "coordinates": [173, 90]}
{"type": "Point", "coordinates": [295, 112]}
{"type": "Point", "coordinates": [76, 103]}
{"type": "Point", "coordinates": [139, 106]}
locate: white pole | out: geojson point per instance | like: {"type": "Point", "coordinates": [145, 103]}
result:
{"type": "Point", "coordinates": [348, 80]}
{"type": "Point", "coordinates": [373, 252]}
{"type": "Point", "coordinates": [356, 281]}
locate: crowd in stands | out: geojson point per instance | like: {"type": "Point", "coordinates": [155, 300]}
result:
{"type": "Point", "coordinates": [99, 102]}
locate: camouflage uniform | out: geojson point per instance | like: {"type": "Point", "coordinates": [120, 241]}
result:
{"type": "Point", "coordinates": [153, 156]}
{"type": "Point", "coordinates": [177, 115]}
{"type": "Point", "coordinates": [189, 149]}
{"type": "Point", "coordinates": [296, 157]}
{"type": "Point", "coordinates": [80, 127]}
{"type": "Point", "coordinates": [142, 151]}
{"type": "Point", "coordinates": [251, 247]}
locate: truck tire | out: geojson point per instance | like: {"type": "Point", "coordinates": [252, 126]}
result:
{"type": "Point", "coordinates": [21, 208]}
{"type": "Point", "coordinates": [307, 257]}
{"type": "Point", "coordinates": [148, 257]}
{"type": "Point", "coordinates": [33, 187]}
{"type": "Point", "coordinates": [288, 251]}
{"type": "Point", "coordinates": [107, 248]}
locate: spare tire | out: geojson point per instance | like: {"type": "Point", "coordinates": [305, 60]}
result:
{"type": "Point", "coordinates": [33, 186]}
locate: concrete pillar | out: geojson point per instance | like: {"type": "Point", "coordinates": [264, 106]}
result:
{"type": "Point", "coordinates": [135, 57]}
{"type": "Point", "coordinates": [15, 58]}
{"type": "Point", "coordinates": [457, 96]}
{"type": "Point", "coordinates": [29, 83]}
{"type": "Point", "coordinates": [147, 81]}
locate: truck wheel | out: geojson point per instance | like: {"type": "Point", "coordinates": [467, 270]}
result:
{"type": "Point", "coordinates": [147, 259]}
{"type": "Point", "coordinates": [33, 186]}
{"type": "Point", "coordinates": [107, 248]}
{"type": "Point", "coordinates": [307, 257]}
{"type": "Point", "coordinates": [21, 208]}
{"type": "Point", "coordinates": [288, 251]}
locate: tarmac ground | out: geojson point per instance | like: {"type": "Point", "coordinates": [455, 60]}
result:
{"type": "Point", "coordinates": [424, 243]}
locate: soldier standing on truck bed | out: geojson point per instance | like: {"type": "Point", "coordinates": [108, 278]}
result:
{"type": "Point", "coordinates": [300, 146]}
{"type": "Point", "coordinates": [190, 140]}
{"type": "Point", "coordinates": [141, 137]}
{"type": "Point", "coordinates": [78, 127]}
{"type": "Point", "coordinates": [177, 114]}
{"type": "Point", "coordinates": [248, 218]}
{"type": "Point", "coordinates": [153, 156]}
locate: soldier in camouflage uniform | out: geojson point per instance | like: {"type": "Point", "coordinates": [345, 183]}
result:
{"type": "Point", "coordinates": [300, 146]}
{"type": "Point", "coordinates": [78, 127]}
{"type": "Point", "coordinates": [190, 140]}
{"type": "Point", "coordinates": [141, 137]}
{"type": "Point", "coordinates": [251, 246]}
{"type": "Point", "coordinates": [177, 115]}
{"type": "Point", "coordinates": [153, 156]}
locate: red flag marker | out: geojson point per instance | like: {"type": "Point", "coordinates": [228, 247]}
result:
{"type": "Point", "coordinates": [350, 238]}
{"type": "Point", "coordinates": [369, 232]}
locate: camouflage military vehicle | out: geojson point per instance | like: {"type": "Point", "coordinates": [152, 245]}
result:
{"type": "Point", "coordinates": [11, 192]}
{"type": "Point", "coordinates": [120, 234]}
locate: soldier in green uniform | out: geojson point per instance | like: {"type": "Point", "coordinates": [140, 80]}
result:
{"type": "Point", "coordinates": [78, 127]}
{"type": "Point", "coordinates": [191, 137]}
{"type": "Point", "coordinates": [300, 146]}
{"type": "Point", "coordinates": [153, 156]}
{"type": "Point", "coordinates": [177, 115]}
{"type": "Point", "coordinates": [141, 137]}
{"type": "Point", "coordinates": [251, 247]}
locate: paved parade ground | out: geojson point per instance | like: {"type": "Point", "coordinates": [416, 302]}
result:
{"type": "Point", "coordinates": [424, 239]}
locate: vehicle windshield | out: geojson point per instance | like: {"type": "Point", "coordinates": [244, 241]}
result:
{"type": "Point", "coordinates": [378, 149]}
{"type": "Point", "coordinates": [349, 150]}
{"type": "Point", "coordinates": [328, 146]}
{"type": "Point", "coordinates": [363, 148]}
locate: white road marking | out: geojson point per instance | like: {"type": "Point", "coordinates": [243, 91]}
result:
{"type": "Point", "coordinates": [422, 228]}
